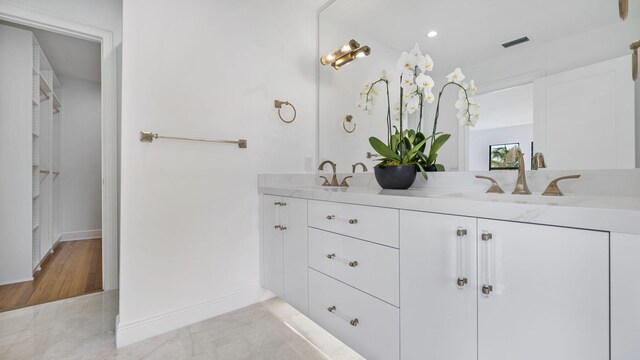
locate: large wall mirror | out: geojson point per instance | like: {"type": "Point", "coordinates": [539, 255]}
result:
{"type": "Point", "coordinates": [567, 92]}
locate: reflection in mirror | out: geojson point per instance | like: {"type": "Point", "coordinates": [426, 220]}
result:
{"type": "Point", "coordinates": [567, 92]}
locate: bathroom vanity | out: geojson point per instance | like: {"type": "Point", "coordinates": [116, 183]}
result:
{"type": "Point", "coordinates": [435, 273]}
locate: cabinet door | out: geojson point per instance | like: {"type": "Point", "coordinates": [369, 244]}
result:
{"type": "Point", "coordinates": [294, 218]}
{"type": "Point", "coordinates": [625, 297]}
{"type": "Point", "coordinates": [438, 315]}
{"type": "Point", "coordinates": [272, 252]}
{"type": "Point", "coordinates": [549, 296]}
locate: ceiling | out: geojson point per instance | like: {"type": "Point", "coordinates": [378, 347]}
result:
{"type": "Point", "coordinates": [472, 30]}
{"type": "Point", "coordinates": [67, 55]}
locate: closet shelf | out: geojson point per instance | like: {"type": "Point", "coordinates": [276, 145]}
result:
{"type": "Point", "coordinates": [44, 86]}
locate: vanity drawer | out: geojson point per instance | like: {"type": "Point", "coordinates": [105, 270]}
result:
{"type": "Point", "coordinates": [375, 334]}
{"type": "Point", "coordinates": [374, 224]}
{"type": "Point", "coordinates": [369, 267]}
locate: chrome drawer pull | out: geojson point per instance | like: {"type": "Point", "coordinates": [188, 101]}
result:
{"type": "Point", "coordinates": [342, 260]}
{"type": "Point", "coordinates": [462, 281]}
{"type": "Point", "coordinates": [351, 221]}
{"type": "Point", "coordinates": [277, 227]}
{"type": "Point", "coordinates": [351, 321]}
{"type": "Point", "coordinates": [280, 203]}
{"type": "Point", "coordinates": [283, 228]}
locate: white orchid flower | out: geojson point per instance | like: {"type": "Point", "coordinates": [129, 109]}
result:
{"type": "Point", "coordinates": [461, 104]}
{"type": "Point", "coordinates": [406, 62]}
{"type": "Point", "coordinates": [413, 103]}
{"type": "Point", "coordinates": [456, 76]}
{"type": "Point", "coordinates": [406, 81]}
{"type": "Point", "coordinates": [425, 63]}
{"type": "Point", "coordinates": [428, 95]}
{"type": "Point", "coordinates": [415, 52]}
{"type": "Point", "coordinates": [410, 91]}
{"type": "Point", "coordinates": [425, 82]}
{"type": "Point", "coordinates": [473, 90]}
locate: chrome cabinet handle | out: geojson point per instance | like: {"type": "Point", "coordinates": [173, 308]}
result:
{"type": "Point", "coordinates": [277, 227]}
{"type": "Point", "coordinates": [331, 217]}
{"type": "Point", "coordinates": [342, 260]}
{"type": "Point", "coordinates": [461, 258]}
{"type": "Point", "coordinates": [351, 321]}
{"type": "Point", "coordinates": [280, 203]}
{"type": "Point", "coordinates": [283, 228]}
{"type": "Point", "coordinates": [487, 288]}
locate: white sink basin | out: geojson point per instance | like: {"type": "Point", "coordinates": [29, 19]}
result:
{"type": "Point", "coordinates": [535, 199]}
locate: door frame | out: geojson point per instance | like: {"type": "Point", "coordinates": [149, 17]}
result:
{"type": "Point", "coordinates": [109, 123]}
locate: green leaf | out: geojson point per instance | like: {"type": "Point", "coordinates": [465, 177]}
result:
{"type": "Point", "coordinates": [423, 172]}
{"type": "Point", "coordinates": [437, 144]}
{"type": "Point", "coordinates": [439, 167]}
{"type": "Point", "coordinates": [383, 149]}
{"type": "Point", "coordinates": [413, 152]}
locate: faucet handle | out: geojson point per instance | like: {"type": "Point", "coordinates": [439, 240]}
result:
{"type": "Point", "coordinates": [495, 188]}
{"type": "Point", "coordinates": [326, 181]}
{"type": "Point", "coordinates": [344, 181]}
{"type": "Point", "coordinates": [553, 189]}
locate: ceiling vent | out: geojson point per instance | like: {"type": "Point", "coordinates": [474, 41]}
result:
{"type": "Point", "coordinates": [515, 42]}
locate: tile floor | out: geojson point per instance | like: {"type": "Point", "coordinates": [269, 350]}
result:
{"type": "Point", "coordinates": [83, 328]}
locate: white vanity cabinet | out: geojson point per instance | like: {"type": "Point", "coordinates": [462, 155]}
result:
{"type": "Point", "coordinates": [532, 291]}
{"type": "Point", "coordinates": [284, 249]}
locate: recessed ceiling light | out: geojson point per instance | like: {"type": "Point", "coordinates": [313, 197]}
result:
{"type": "Point", "coordinates": [432, 33]}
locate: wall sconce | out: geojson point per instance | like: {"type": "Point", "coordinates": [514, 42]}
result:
{"type": "Point", "coordinates": [623, 7]}
{"type": "Point", "coordinates": [345, 54]}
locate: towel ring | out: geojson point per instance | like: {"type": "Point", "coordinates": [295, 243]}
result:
{"type": "Point", "coordinates": [347, 119]}
{"type": "Point", "coordinates": [278, 104]}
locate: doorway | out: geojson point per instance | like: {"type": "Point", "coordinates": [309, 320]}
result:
{"type": "Point", "coordinates": [69, 246]}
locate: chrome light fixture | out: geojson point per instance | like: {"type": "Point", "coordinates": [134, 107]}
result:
{"type": "Point", "coordinates": [345, 54]}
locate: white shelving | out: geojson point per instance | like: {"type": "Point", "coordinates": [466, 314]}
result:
{"type": "Point", "coordinates": [46, 117]}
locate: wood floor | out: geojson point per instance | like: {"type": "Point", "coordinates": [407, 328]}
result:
{"type": "Point", "coordinates": [74, 268]}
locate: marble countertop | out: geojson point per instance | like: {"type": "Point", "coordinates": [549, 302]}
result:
{"type": "Point", "coordinates": [596, 212]}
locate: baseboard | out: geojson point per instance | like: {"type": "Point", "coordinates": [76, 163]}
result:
{"type": "Point", "coordinates": [81, 235]}
{"type": "Point", "coordinates": [135, 331]}
{"type": "Point", "coordinates": [16, 281]}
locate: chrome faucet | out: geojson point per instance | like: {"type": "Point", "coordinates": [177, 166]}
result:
{"type": "Point", "coordinates": [521, 184]}
{"type": "Point", "coordinates": [355, 166]}
{"type": "Point", "coordinates": [334, 177]}
{"type": "Point", "coordinates": [537, 161]}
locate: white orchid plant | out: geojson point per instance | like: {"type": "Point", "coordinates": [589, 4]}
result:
{"type": "Point", "coordinates": [407, 146]}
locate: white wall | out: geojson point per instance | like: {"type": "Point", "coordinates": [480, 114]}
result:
{"type": "Point", "coordinates": [190, 228]}
{"type": "Point", "coordinates": [479, 141]}
{"type": "Point", "coordinates": [15, 155]}
{"type": "Point", "coordinates": [81, 171]}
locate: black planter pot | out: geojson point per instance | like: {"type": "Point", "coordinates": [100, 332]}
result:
{"type": "Point", "coordinates": [395, 177]}
{"type": "Point", "coordinates": [431, 168]}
